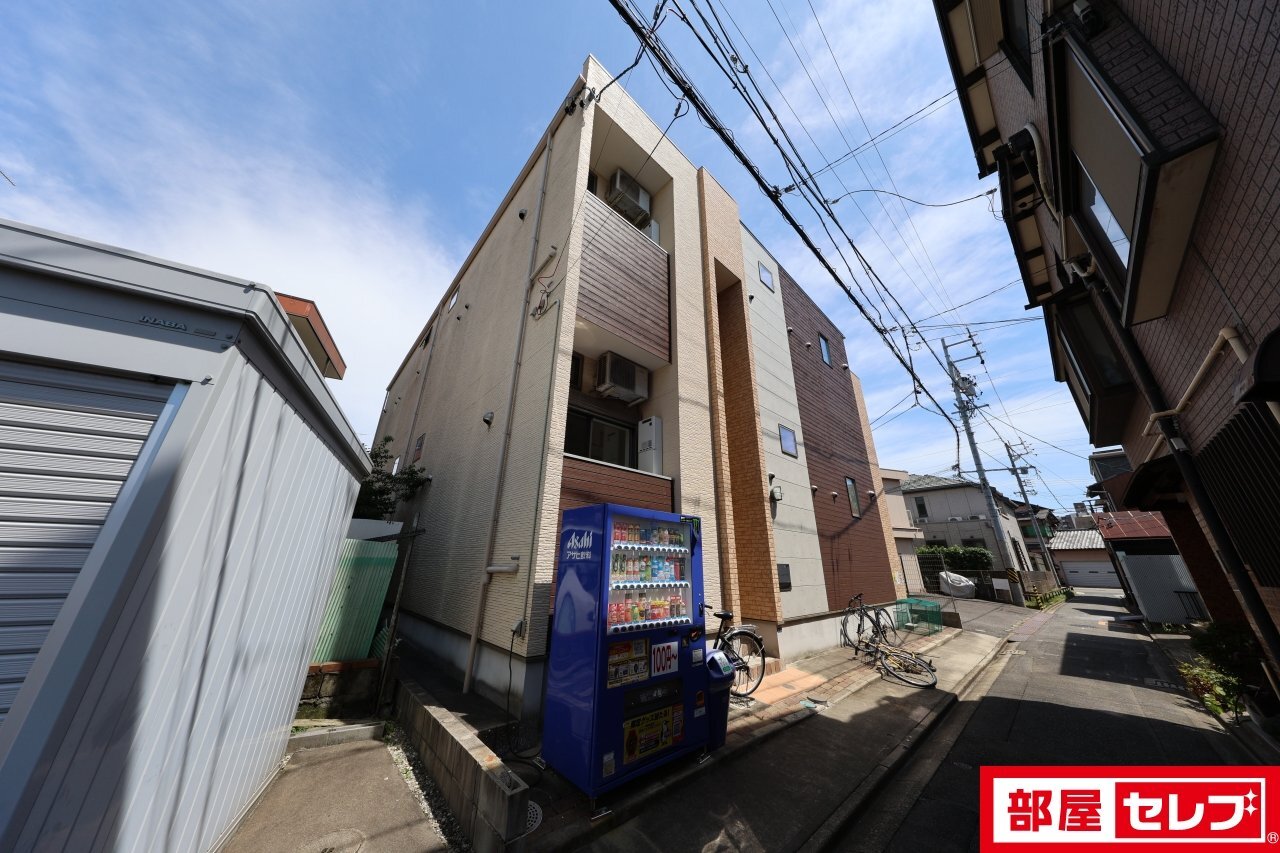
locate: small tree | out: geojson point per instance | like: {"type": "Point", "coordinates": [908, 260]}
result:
{"type": "Point", "coordinates": [382, 491]}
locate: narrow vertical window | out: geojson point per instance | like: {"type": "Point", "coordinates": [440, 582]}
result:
{"type": "Point", "coordinates": [921, 512]}
{"type": "Point", "coordinates": [788, 438]}
{"type": "Point", "coordinates": [766, 277]}
{"type": "Point", "coordinates": [855, 505]}
{"type": "Point", "coordinates": [826, 348]}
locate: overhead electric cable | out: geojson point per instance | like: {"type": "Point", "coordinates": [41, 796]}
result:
{"type": "Point", "coordinates": [654, 45]}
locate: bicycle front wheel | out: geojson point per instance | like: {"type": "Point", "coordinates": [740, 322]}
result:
{"type": "Point", "coordinates": [887, 630]}
{"type": "Point", "coordinates": [908, 669]}
{"type": "Point", "coordinates": [747, 655]}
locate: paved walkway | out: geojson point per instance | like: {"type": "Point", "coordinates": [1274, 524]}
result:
{"type": "Point", "coordinates": [1078, 687]}
{"type": "Point", "coordinates": [338, 799]}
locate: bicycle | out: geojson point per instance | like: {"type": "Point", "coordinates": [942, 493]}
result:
{"type": "Point", "coordinates": [891, 660]}
{"type": "Point", "coordinates": [873, 621]}
{"type": "Point", "coordinates": [744, 647]}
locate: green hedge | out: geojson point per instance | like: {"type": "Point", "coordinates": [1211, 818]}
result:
{"type": "Point", "coordinates": [959, 559]}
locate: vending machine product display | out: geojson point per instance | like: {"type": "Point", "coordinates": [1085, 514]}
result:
{"type": "Point", "coordinates": [627, 678]}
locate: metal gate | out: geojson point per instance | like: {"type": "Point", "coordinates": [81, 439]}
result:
{"type": "Point", "coordinates": [68, 440]}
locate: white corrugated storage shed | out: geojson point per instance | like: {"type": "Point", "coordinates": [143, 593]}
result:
{"type": "Point", "coordinates": [175, 480]}
{"type": "Point", "coordinates": [1084, 559]}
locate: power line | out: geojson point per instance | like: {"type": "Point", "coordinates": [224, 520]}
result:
{"type": "Point", "coordinates": [653, 43]}
{"type": "Point", "coordinates": [912, 200]}
{"type": "Point", "coordinates": [1041, 440]}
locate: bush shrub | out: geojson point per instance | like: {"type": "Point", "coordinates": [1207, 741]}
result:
{"type": "Point", "coordinates": [959, 559]}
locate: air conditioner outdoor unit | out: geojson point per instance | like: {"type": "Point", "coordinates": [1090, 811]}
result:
{"type": "Point", "coordinates": [629, 198]}
{"type": "Point", "coordinates": [621, 379]}
{"type": "Point", "coordinates": [955, 518]}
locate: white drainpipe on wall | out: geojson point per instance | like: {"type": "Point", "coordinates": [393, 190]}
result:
{"type": "Point", "coordinates": [1227, 336]}
{"type": "Point", "coordinates": [490, 568]}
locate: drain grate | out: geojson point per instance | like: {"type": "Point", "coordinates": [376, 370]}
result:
{"type": "Point", "coordinates": [533, 819]}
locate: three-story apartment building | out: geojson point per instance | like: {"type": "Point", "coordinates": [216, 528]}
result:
{"type": "Point", "coordinates": [617, 335]}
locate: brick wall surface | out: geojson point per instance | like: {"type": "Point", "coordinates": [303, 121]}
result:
{"type": "Point", "coordinates": [1224, 54]}
{"type": "Point", "coordinates": [752, 530]}
{"type": "Point", "coordinates": [855, 555]}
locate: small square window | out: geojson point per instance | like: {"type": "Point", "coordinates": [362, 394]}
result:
{"type": "Point", "coordinates": [766, 277]}
{"type": "Point", "coordinates": [788, 438]}
{"type": "Point", "coordinates": [826, 348]}
{"type": "Point", "coordinates": [855, 504]}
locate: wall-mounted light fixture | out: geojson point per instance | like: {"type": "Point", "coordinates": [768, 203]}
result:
{"type": "Point", "coordinates": [487, 417]}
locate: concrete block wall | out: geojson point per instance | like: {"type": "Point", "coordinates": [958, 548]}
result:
{"type": "Point", "coordinates": [490, 802]}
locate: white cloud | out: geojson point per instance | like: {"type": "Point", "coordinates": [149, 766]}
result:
{"type": "Point", "coordinates": [117, 153]}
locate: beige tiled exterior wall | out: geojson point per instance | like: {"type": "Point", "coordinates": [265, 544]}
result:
{"type": "Point", "coordinates": [471, 356]}
{"type": "Point", "coordinates": [795, 531]}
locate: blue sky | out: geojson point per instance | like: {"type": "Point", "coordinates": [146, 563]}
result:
{"type": "Point", "coordinates": [352, 152]}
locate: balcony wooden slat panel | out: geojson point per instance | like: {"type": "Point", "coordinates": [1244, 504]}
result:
{"type": "Point", "coordinates": [586, 482]}
{"type": "Point", "coordinates": [625, 281]}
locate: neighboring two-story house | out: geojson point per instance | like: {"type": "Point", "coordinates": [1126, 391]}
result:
{"type": "Point", "coordinates": [953, 511]}
{"type": "Point", "coordinates": [907, 537]}
{"type": "Point", "coordinates": [1137, 155]}
{"type": "Point", "coordinates": [617, 335]}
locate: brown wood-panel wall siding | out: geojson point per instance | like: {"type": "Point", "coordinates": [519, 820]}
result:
{"type": "Point", "coordinates": [625, 280]}
{"type": "Point", "coordinates": [585, 482]}
{"type": "Point", "coordinates": [855, 556]}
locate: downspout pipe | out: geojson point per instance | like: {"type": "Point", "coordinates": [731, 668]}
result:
{"type": "Point", "coordinates": [1226, 551]}
{"type": "Point", "coordinates": [491, 569]}
{"type": "Point", "coordinates": [1227, 335]}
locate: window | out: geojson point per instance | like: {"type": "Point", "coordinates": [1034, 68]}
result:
{"type": "Point", "coordinates": [922, 514]}
{"type": "Point", "coordinates": [395, 466]}
{"type": "Point", "coordinates": [784, 577]}
{"type": "Point", "coordinates": [592, 183]}
{"type": "Point", "coordinates": [417, 447]}
{"type": "Point", "coordinates": [972, 542]}
{"type": "Point", "coordinates": [599, 439]}
{"type": "Point", "coordinates": [766, 277]}
{"type": "Point", "coordinates": [426, 339]}
{"type": "Point", "coordinates": [575, 372]}
{"type": "Point", "coordinates": [855, 505]}
{"type": "Point", "coordinates": [1017, 38]}
{"type": "Point", "coordinates": [1102, 219]}
{"type": "Point", "coordinates": [788, 438]}
{"type": "Point", "coordinates": [826, 349]}
{"type": "Point", "coordinates": [453, 300]}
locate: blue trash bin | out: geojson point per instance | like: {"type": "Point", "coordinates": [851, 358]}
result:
{"type": "Point", "coordinates": [719, 680]}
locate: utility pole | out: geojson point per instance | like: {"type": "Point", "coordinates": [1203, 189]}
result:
{"type": "Point", "coordinates": [1022, 489]}
{"type": "Point", "coordinates": [965, 390]}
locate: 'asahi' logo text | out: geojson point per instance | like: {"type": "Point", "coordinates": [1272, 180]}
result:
{"type": "Point", "coordinates": [579, 546]}
{"type": "Point", "coordinates": [160, 321]}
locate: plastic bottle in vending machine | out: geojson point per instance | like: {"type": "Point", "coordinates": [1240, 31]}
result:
{"type": "Point", "coordinates": [643, 606]}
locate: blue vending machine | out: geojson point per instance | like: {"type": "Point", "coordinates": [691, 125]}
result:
{"type": "Point", "coordinates": [627, 680]}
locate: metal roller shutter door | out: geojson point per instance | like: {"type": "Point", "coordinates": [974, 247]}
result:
{"type": "Point", "coordinates": [68, 440]}
{"type": "Point", "coordinates": [1095, 573]}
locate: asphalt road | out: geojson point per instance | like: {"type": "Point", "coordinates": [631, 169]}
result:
{"type": "Point", "coordinates": [1079, 688]}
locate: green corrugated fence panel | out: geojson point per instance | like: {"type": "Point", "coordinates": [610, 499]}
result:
{"type": "Point", "coordinates": [355, 600]}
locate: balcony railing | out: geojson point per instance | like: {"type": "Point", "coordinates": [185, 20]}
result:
{"type": "Point", "coordinates": [626, 281]}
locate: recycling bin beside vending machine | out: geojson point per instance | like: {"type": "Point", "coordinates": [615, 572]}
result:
{"type": "Point", "coordinates": [627, 681]}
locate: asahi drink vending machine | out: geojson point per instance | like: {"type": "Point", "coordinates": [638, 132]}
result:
{"type": "Point", "coordinates": [627, 678]}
